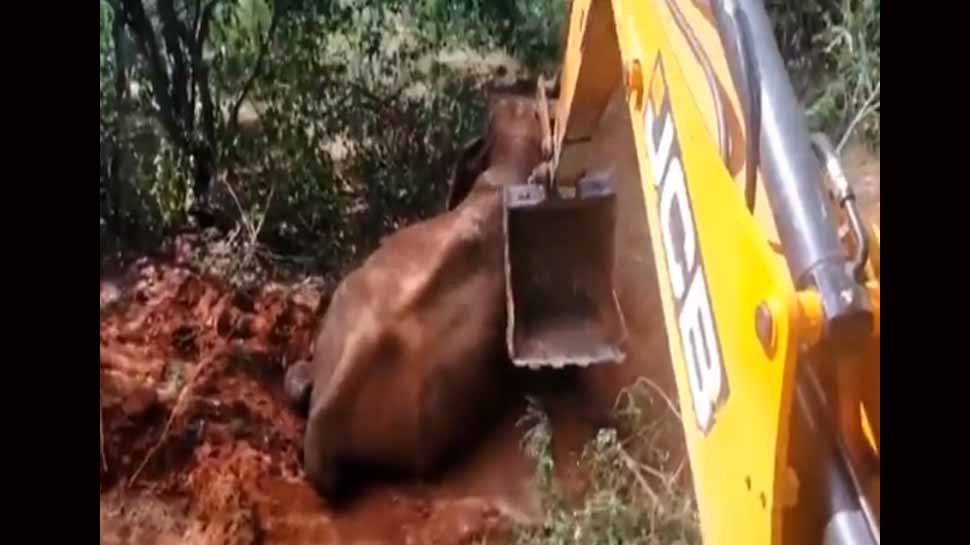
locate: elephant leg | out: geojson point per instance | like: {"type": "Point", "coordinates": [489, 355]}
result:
{"type": "Point", "coordinates": [320, 459]}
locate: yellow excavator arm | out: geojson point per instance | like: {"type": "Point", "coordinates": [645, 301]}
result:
{"type": "Point", "coordinates": [772, 324]}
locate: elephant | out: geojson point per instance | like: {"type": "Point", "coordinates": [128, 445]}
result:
{"type": "Point", "coordinates": [410, 363]}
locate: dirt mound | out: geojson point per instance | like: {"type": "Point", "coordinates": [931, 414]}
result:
{"type": "Point", "coordinates": [200, 446]}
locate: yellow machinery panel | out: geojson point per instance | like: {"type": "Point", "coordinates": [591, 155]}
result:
{"type": "Point", "coordinates": [735, 396]}
{"type": "Point", "coordinates": [734, 321]}
{"type": "Point", "coordinates": [720, 277]}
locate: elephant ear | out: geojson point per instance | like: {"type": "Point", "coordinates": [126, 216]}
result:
{"type": "Point", "coordinates": [471, 163]}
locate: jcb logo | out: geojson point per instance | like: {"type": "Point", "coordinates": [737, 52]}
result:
{"type": "Point", "coordinates": [695, 319]}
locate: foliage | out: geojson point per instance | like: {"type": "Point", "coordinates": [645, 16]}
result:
{"type": "Point", "coordinates": [336, 122]}
{"type": "Point", "coordinates": [832, 48]}
{"type": "Point", "coordinates": [124, 206]}
{"type": "Point", "coordinates": [530, 30]}
{"type": "Point", "coordinates": [627, 500]}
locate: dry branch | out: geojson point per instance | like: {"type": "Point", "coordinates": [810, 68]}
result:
{"type": "Point", "coordinates": [670, 404]}
{"type": "Point", "coordinates": [104, 459]}
{"type": "Point", "coordinates": [176, 410]}
{"type": "Point", "coordinates": [257, 69]}
{"type": "Point", "coordinates": [634, 467]}
{"type": "Point", "coordinates": [859, 116]}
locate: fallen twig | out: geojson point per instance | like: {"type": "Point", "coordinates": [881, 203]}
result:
{"type": "Point", "coordinates": [104, 459]}
{"type": "Point", "coordinates": [680, 468]}
{"type": "Point", "coordinates": [262, 220]}
{"type": "Point", "coordinates": [242, 211]}
{"type": "Point", "coordinates": [183, 395]}
{"type": "Point", "coordinates": [859, 116]}
{"type": "Point", "coordinates": [296, 259]}
{"type": "Point", "coordinates": [670, 404]}
{"type": "Point", "coordinates": [634, 468]}
{"type": "Point", "coordinates": [246, 219]}
{"type": "Point", "coordinates": [656, 473]}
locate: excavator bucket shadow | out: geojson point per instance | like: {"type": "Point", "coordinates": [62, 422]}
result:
{"type": "Point", "coordinates": [559, 255]}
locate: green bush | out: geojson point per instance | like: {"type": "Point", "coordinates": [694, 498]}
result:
{"type": "Point", "coordinates": [354, 111]}
{"type": "Point", "coordinates": [359, 125]}
{"type": "Point", "coordinates": [832, 48]}
{"type": "Point", "coordinates": [630, 497]}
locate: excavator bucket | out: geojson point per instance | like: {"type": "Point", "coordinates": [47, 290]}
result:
{"type": "Point", "coordinates": [562, 309]}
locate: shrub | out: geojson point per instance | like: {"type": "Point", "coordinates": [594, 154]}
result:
{"type": "Point", "coordinates": [832, 48]}
{"type": "Point", "coordinates": [337, 122]}
{"type": "Point", "coordinates": [630, 496]}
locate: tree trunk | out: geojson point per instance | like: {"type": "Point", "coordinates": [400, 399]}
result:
{"type": "Point", "coordinates": [179, 78]}
{"type": "Point", "coordinates": [115, 180]}
{"type": "Point", "coordinates": [205, 154]}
